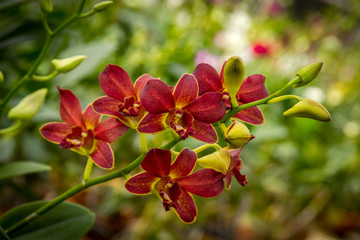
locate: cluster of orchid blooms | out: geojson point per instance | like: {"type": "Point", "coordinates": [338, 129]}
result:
{"type": "Point", "coordinates": [189, 109]}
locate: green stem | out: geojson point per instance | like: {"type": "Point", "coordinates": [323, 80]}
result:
{"type": "Point", "coordinates": [237, 109]}
{"type": "Point", "coordinates": [87, 171]}
{"type": "Point", "coordinates": [45, 78]}
{"type": "Point", "coordinates": [46, 25]}
{"type": "Point", "coordinates": [12, 128]}
{"type": "Point", "coordinates": [143, 146]}
{"type": "Point", "coordinates": [206, 146]}
{"type": "Point", "coordinates": [284, 97]}
{"type": "Point", "coordinates": [81, 186]}
{"type": "Point", "coordinates": [43, 53]}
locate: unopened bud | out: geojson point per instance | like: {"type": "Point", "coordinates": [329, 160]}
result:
{"type": "Point", "coordinates": [237, 135]}
{"type": "Point", "coordinates": [234, 72]}
{"type": "Point", "coordinates": [29, 105]}
{"type": "Point", "coordinates": [1, 77]}
{"type": "Point", "coordinates": [309, 108]}
{"type": "Point", "coordinates": [67, 64]}
{"type": "Point", "coordinates": [219, 161]}
{"type": "Point", "coordinates": [308, 73]}
{"type": "Point", "coordinates": [101, 6]}
{"type": "Point", "coordinates": [46, 6]}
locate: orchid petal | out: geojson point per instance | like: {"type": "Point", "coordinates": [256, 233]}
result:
{"type": "Point", "coordinates": [141, 82]}
{"type": "Point", "coordinates": [110, 129]}
{"type": "Point", "coordinates": [186, 207]}
{"type": "Point", "coordinates": [239, 177]}
{"type": "Point", "coordinates": [208, 78]}
{"type": "Point", "coordinates": [252, 89]}
{"type": "Point", "coordinates": [183, 164]}
{"type": "Point", "coordinates": [156, 97]}
{"type": "Point", "coordinates": [208, 108]}
{"type": "Point", "coordinates": [91, 118]}
{"type": "Point", "coordinates": [70, 108]}
{"type": "Point", "coordinates": [228, 180]}
{"type": "Point", "coordinates": [103, 155]}
{"type": "Point", "coordinates": [152, 123]}
{"type": "Point", "coordinates": [186, 90]}
{"type": "Point", "coordinates": [141, 183]}
{"type": "Point", "coordinates": [203, 183]}
{"type": "Point", "coordinates": [108, 106]}
{"type": "Point", "coordinates": [251, 115]}
{"type": "Point", "coordinates": [55, 131]}
{"type": "Point", "coordinates": [157, 162]}
{"type": "Point", "coordinates": [116, 82]}
{"type": "Point", "coordinates": [204, 132]}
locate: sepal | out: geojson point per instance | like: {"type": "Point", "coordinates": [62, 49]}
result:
{"type": "Point", "coordinates": [308, 108]}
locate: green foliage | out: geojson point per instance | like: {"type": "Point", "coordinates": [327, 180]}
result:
{"type": "Point", "coordinates": [21, 168]}
{"type": "Point", "coordinates": [65, 221]}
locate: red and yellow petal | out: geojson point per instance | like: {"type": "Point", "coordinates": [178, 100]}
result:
{"type": "Point", "coordinates": [252, 89]}
{"type": "Point", "coordinates": [55, 131]}
{"type": "Point", "coordinates": [204, 183]}
{"type": "Point", "coordinates": [251, 115]}
{"type": "Point", "coordinates": [141, 82]}
{"type": "Point", "coordinates": [186, 207]}
{"type": "Point", "coordinates": [91, 118]}
{"type": "Point", "coordinates": [110, 129]}
{"type": "Point", "coordinates": [208, 78]}
{"type": "Point", "coordinates": [103, 155]}
{"type": "Point", "coordinates": [70, 108]}
{"type": "Point", "coordinates": [157, 162]}
{"type": "Point", "coordinates": [141, 183]}
{"type": "Point", "coordinates": [186, 90]}
{"type": "Point", "coordinates": [183, 164]}
{"type": "Point", "coordinates": [116, 82]}
{"type": "Point", "coordinates": [156, 97]}
{"type": "Point", "coordinates": [228, 180]}
{"type": "Point", "coordinates": [108, 106]}
{"type": "Point", "coordinates": [204, 132]}
{"type": "Point", "coordinates": [208, 108]}
{"type": "Point", "coordinates": [152, 123]}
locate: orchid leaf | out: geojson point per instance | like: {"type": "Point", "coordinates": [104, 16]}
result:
{"type": "Point", "coordinates": [20, 168]}
{"type": "Point", "coordinates": [65, 221]}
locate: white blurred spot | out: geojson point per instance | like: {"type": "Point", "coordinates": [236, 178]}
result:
{"type": "Point", "coordinates": [351, 129]}
{"type": "Point", "coordinates": [315, 93]}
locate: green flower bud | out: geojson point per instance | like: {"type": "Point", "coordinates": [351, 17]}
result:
{"type": "Point", "coordinates": [29, 105]}
{"type": "Point", "coordinates": [234, 72]}
{"type": "Point", "coordinates": [67, 64]}
{"type": "Point", "coordinates": [309, 108]}
{"type": "Point", "coordinates": [1, 77]}
{"type": "Point", "coordinates": [101, 6]}
{"type": "Point", "coordinates": [308, 73]}
{"type": "Point", "coordinates": [46, 6]}
{"type": "Point", "coordinates": [219, 161]}
{"type": "Point", "coordinates": [237, 135]}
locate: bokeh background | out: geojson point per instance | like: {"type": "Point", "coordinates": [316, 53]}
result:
{"type": "Point", "coordinates": [304, 180]}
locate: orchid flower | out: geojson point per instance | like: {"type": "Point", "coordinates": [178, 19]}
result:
{"type": "Point", "coordinates": [235, 168]}
{"type": "Point", "coordinates": [83, 132]}
{"type": "Point", "coordinates": [173, 183]}
{"type": "Point", "coordinates": [252, 89]}
{"type": "Point", "coordinates": [122, 100]}
{"type": "Point", "coordinates": [181, 109]}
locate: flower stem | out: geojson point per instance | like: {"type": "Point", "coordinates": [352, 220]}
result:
{"type": "Point", "coordinates": [12, 128]}
{"type": "Point", "coordinates": [284, 97]}
{"type": "Point", "coordinates": [81, 186]}
{"type": "Point", "coordinates": [206, 146]}
{"type": "Point", "coordinates": [143, 146]}
{"type": "Point", "coordinates": [279, 92]}
{"type": "Point", "coordinates": [87, 171]}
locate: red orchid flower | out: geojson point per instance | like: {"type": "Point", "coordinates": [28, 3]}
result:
{"type": "Point", "coordinates": [173, 183]}
{"type": "Point", "coordinates": [83, 132]}
{"type": "Point", "coordinates": [234, 169]}
{"type": "Point", "coordinates": [122, 100]}
{"type": "Point", "coordinates": [252, 89]}
{"type": "Point", "coordinates": [181, 109]}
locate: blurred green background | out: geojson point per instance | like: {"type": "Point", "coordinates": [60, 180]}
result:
{"type": "Point", "coordinates": [304, 180]}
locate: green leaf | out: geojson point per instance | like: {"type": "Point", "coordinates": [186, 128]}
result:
{"type": "Point", "coordinates": [3, 235]}
{"type": "Point", "coordinates": [68, 221]}
{"type": "Point", "coordinates": [20, 168]}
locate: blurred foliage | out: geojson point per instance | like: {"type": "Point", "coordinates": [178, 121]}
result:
{"type": "Point", "coordinates": [303, 175]}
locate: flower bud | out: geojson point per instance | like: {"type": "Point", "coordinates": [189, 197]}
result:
{"type": "Point", "coordinates": [29, 105]}
{"type": "Point", "coordinates": [67, 64]}
{"type": "Point", "coordinates": [308, 73]}
{"type": "Point", "coordinates": [234, 72]}
{"type": "Point", "coordinates": [219, 161]}
{"type": "Point", "coordinates": [46, 6]}
{"type": "Point", "coordinates": [101, 6]}
{"type": "Point", "coordinates": [237, 135]}
{"type": "Point", "coordinates": [1, 77]}
{"type": "Point", "coordinates": [309, 108]}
